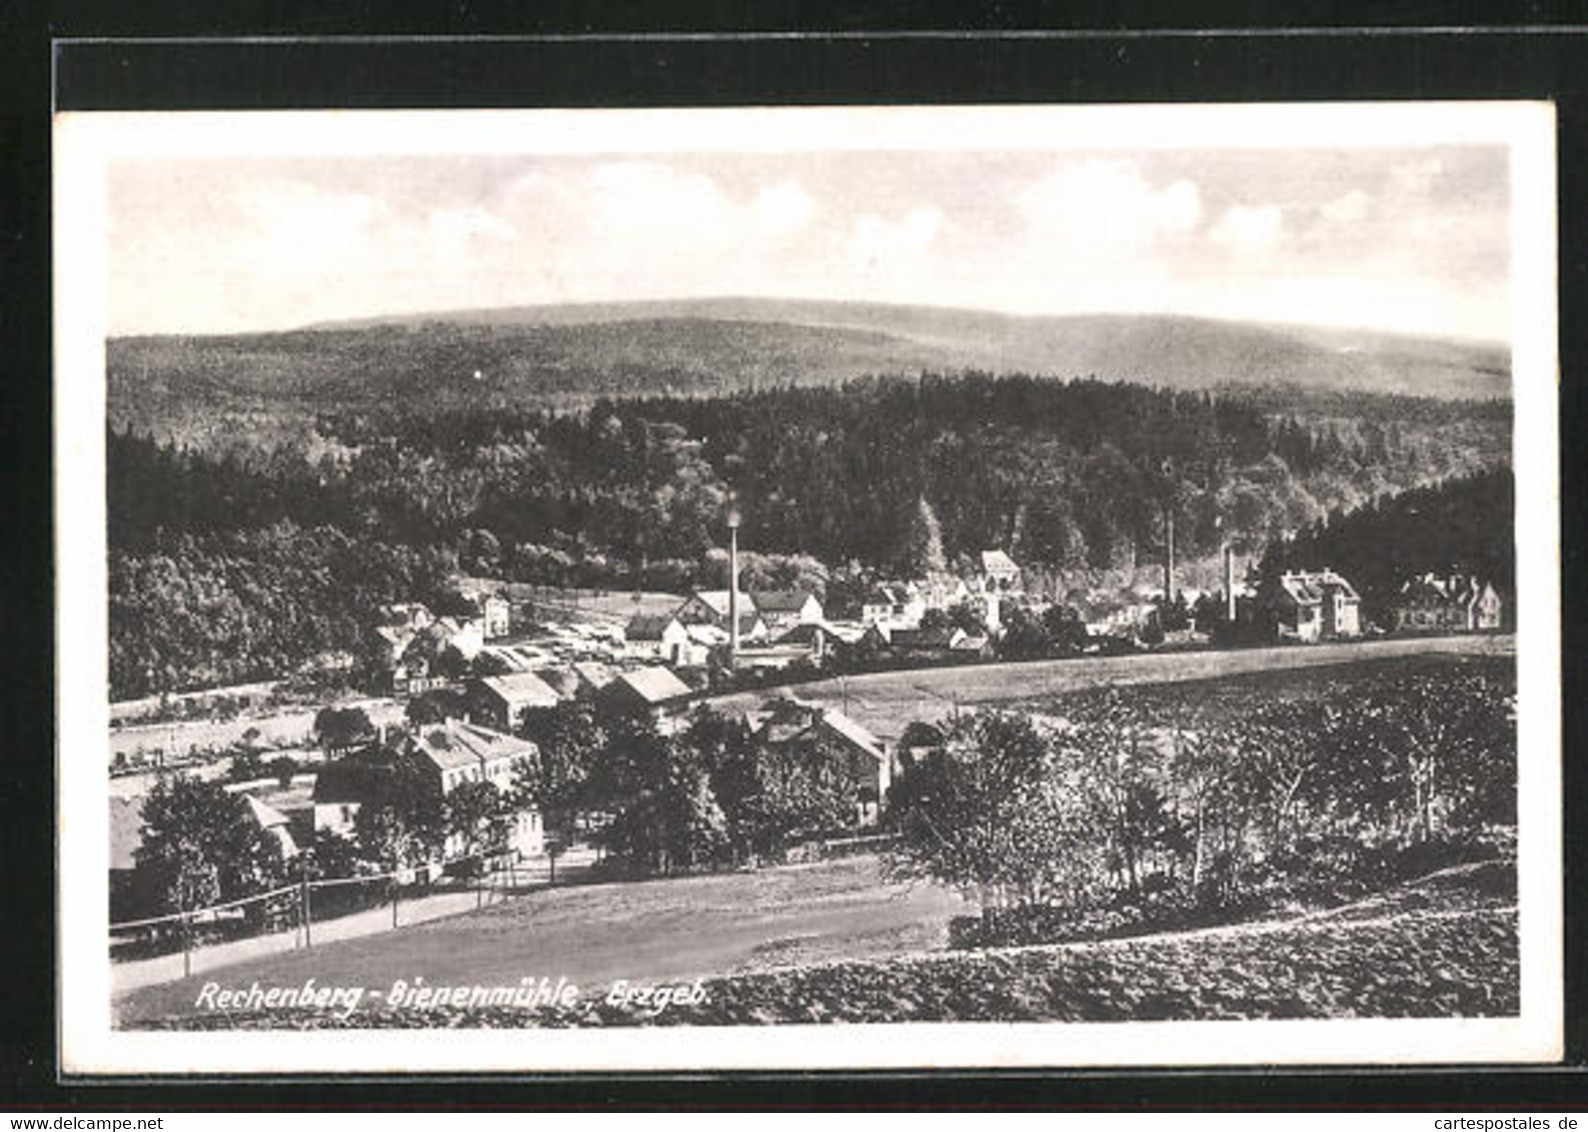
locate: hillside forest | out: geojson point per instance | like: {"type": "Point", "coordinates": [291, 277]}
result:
{"type": "Point", "coordinates": [229, 565]}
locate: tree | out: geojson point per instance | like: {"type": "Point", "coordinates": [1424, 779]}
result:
{"type": "Point", "coordinates": [980, 812]}
{"type": "Point", "coordinates": [340, 729]}
{"type": "Point", "coordinates": [200, 846]}
{"type": "Point", "coordinates": [282, 768]}
{"type": "Point", "coordinates": [923, 545]}
{"type": "Point", "coordinates": [479, 815]}
{"type": "Point", "coordinates": [406, 824]}
{"type": "Point", "coordinates": [658, 790]}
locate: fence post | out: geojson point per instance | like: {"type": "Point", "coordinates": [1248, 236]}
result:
{"type": "Point", "coordinates": [307, 915]}
{"type": "Point", "coordinates": [396, 892]}
{"type": "Point", "coordinates": [187, 944]}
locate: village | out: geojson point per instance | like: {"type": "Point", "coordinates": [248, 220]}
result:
{"type": "Point", "coordinates": [459, 686]}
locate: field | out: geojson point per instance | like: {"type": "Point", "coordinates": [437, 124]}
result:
{"type": "Point", "coordinates": [886, 702]}
{"type": "Point", "coordinates": [1442, 947]}
{"type": "Point", "coordinates": [664, 929]}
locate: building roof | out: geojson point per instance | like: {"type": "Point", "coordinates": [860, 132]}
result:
{"type": "Point", "coordinates": [265, 815]}
{"type": "Point", "coordinates": [806, 634]}
{"type": "Point", "coordinates": [840, 725]}
{"type": "Point", "coordinates": [521, 688]}
{"type": "Point", "coordinates": [455, 744]}
{"type": "Point", "coordinates": [781, 601]}
{"type": "Point", "coordinates": [655, 685]}
{"type": "Point", "coordinates": [717, 600]}
{"type": "Point", "coordinates": [997, 562]}
{"type": "Point", "coordinates": [649, 626]}
{"type": "Point", "coordinates": [563, 681]}
{"type": "Point", "coordinates": [593, 673]}
{"type": "Point", "coordinates": [1309, 587]}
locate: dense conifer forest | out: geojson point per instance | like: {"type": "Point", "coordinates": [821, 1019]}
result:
{"type": "Point", "coordinates": [246, 564]}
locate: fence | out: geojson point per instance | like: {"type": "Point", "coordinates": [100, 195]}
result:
{"type": "Point", "coordinates": [299, 908]}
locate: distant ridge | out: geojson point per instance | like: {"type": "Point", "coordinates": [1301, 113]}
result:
{"type": "Point", "coordinates": [1171, 350]}
{"type": "Point", "coordinates": [568, 355]}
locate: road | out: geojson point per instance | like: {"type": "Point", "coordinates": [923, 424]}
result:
{"type": "Point", "coordinates": [649, 931]}
{"type": "Point", "coordinates": [885, 702]}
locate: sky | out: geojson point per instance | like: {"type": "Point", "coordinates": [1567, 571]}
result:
{"type": "Point", "coordinates": [1411, 239]}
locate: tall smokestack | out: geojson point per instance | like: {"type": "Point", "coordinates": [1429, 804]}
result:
{"type": "Point", "coordinates": [733, 586]}
{"type": "Point", "coordinates": [1229, 582]}
{"type": "Point", "coordinates": [1168, 557]}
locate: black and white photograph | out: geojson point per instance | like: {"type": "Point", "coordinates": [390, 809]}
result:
{"type": "Point", "coordinates": [861, 587]}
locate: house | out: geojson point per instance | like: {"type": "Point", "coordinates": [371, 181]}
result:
{"type": "Point", "coordinates": [794, 724]}
{"type": "Point", "coordinates": [784, 609]}
{"type": "Point", "coordinates": [455, 753]}
{"type": "Point", "coordinates": [1446, 602]}
{"type": "Point", "coordinates": [817, 639]}
{"type": "Point", "coordinates": [592, 676]}
{"type": "Point", "coordinates": [710, 607]}
{"type": "Point", "coordinates": [417, 666]}
{"type": "Point", "coordinates": [999, 573]}
{"type": "Point", "coordinates": [275, 824]}
{"type": "Point", "coordinates": [1312, 606]}
{"type": "Point", "coordinates": [496, 616]}
{"type": "Point", "coordinates": [650, 691]}
{"type": "Point", "coordinates": [943, 591]}
{"type": "Point", "coordinates": [893, 604]}
{"type": "Point", "coordinates": [500, 701]}
{"type": "Point", "coordinates": [661, 637]}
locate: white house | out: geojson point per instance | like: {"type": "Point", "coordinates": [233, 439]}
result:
{"type": "Point", "coordinates": [784, 609]}
{"type": "Point", "coordinates": [661, 637]}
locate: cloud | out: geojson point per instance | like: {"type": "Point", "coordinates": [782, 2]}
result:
{"type": "Point", "coordinates": [1249, 230]}
{"type": "Point", "coordinates": [783, 207]}
{"type": "Point", "coordinates": [1108, 201]}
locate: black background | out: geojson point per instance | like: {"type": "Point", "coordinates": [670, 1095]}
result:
{"type": "Point", "coordinates": [87, 56]}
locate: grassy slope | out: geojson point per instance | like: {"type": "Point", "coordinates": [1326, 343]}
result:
{"type": "Point", "coordinates": [1445, 946]}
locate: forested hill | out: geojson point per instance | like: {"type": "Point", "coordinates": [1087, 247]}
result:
{"type": "Point", "coordinates": [211, 390]}
{"type": "Point", "coordinates": [1463, 525]}
{"type": "Point", "coordinates": [225, 569]}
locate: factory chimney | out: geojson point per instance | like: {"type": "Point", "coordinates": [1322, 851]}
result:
{"type": "Point", "coordinates": [1168, 557]}
{"type": "Point", "coordinates": [733, 585]}
{"type": "Point", "coordinates": [1229, 583]}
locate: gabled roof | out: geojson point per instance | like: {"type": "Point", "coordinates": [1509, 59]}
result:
{"type": "Point", "coordinates": [717, 601]}
{"type": "Point", "coordinates": [655, 685]}
{"type": "Point", "coordinates": [594, 673]}
{"type": "Point", "coordinates": [997, 562]}
{"type": "Point", "coordinates": [264, 815]}
{"type": "Point", "coordinates": [563, 681]}
{"type": "Point", "coordinates": [521, 688]}
{"type": "Point", "coordinates": [806, 634]}
{"type": "Point", "coordinates": [1309, 587]}
{"type": "Point", "coordinates": [649, 626]}
{"type": "Point", "coordinates": [780, 601]}
{"type": "Point", "coordinates": [455, 744]}
{"type": "Point", "coordinates": [842, 727]}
